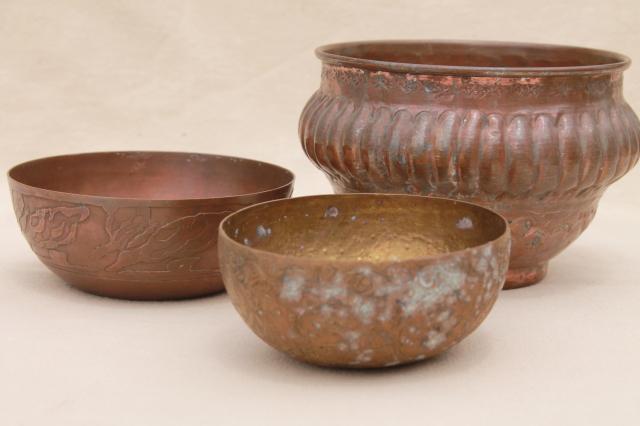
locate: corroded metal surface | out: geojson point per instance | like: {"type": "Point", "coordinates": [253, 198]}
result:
{"type": "Point", "coordinates": [363, 280]}
{"type": "Point", "coordinates": [137, 225]}
{"type": "Point", "coordinates": [535, 132]}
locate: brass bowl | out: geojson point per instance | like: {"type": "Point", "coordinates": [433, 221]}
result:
{"type": "Point", "coordinates": [363, 280]}
{"type": "Point", "coordinates": [137, 225]}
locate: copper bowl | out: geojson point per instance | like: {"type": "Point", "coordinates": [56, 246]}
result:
{"type": "Point", "coordinates": [137, 225]}
{"type": "Point", "coordinates": [535, 132]}
{"type": "Point", "coordinates": [363, 280]}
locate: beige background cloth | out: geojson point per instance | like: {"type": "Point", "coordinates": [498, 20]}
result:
{"type": "Point", "coordinates": [231, 77]}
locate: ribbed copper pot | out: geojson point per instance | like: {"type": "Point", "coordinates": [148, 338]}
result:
{"type": "Point", "coordinates": [536, 132]}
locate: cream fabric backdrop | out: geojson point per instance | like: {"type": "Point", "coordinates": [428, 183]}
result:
{"type": "Point", "coordinates": [231, 77]}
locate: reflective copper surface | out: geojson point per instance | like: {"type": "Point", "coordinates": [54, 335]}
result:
{"type": "Point", "coordinates": [536, 132]}
{"type": "Point", "coordinates": [363, 280]}
{"type": "Point", "coordinates": [137, 225]}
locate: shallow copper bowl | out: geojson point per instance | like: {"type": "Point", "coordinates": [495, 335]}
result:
{"type": "Point", "coordinates": [363, 280]}
{"type": "Point", "coordinates": [137, 225]}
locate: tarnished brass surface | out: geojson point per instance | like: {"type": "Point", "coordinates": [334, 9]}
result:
{"type": "Point", "coordinates": [535, 132]}
{"type": "Point", "coordinates": [363, 280]}
{"type": "Point", "coordinates": [137, 225]}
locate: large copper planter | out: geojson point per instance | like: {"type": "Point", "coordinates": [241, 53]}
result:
{"type": "Point", "coordinates": [137, 225]}
{"type": "Point", "coordinates": [536, 132]}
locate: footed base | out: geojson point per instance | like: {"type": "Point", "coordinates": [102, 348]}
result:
{"type": "Point", "coordinates": [523, 277]}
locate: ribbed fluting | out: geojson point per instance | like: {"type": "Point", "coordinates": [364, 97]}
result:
{"type": "Point", "coordinates": [470, 153]}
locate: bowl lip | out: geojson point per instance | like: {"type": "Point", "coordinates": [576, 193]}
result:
{"type": "Point", "coordinates": [342, 262]}
{"type": "Point", "coordinates": [13, 182]}
{"type": "Point", "coordinates": [324, 53]}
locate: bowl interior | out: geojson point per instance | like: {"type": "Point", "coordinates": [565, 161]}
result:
{"type": "Point", "coordinates": [473, 54]}
{"type": "Point", "coordinates": [369, 227]}
{"type": "Point", "coordinates": [151, 175]}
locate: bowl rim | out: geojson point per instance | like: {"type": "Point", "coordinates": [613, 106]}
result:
{"type": "Point", "coordinates": [506, 234]}
{"type": "Point", "coordinates": [325, 54]}
{"type": "Point", "coordinates": [74, 196]}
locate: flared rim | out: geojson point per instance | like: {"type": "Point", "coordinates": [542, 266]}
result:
{"type": "Point", "coordinates": [288, 179]}
{"type": "Point", "coordinates": [223, 234]}
{"type": "Point", "coordinates": [339, 53]}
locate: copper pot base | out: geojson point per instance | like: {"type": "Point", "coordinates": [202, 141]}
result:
{"type": "Point", "coordinates": [524, 277]}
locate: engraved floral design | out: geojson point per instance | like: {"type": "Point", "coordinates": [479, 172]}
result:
{"type": "Point", "coordinates": [409, 84]}
{"type": "Point", "coordinates": [465, 87]}
{"type": "Point", "coordinates": [381, 80]}
{"type": "Point", "coordinates": [49, 229]}
{"type": "Point", "coordinates": [140, 244]}
{"type": "Point", "coordinates": [544, 234]}
{"type": "Point", "coordinates": [133, 239]}
{"type": "Point", "coordinates": [438, 91]}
